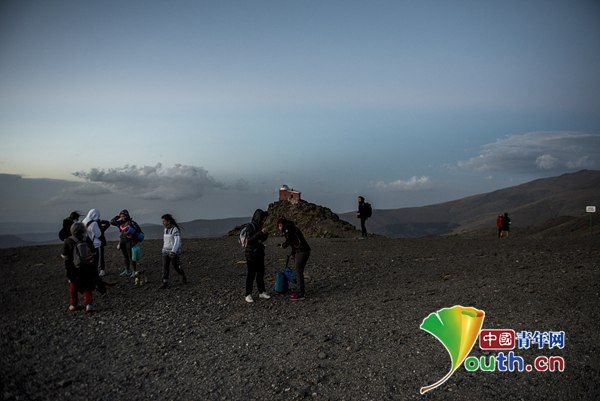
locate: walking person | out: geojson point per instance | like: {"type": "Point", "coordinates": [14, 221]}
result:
{"type": "Point", "coordinates": [499, 225]}
{"type": "Point", "coordinates": [506, 224]}
{"type": "Point", "coordinates": [254, 251]}
{"type": "Point", "coordinates": [364, 212]}
{"type": "Point", "coordinates": [128, 239]}
{"type": "Point", "coordinates": [171, 250]}
{"type": "Point", "coordinates": [300, 253]}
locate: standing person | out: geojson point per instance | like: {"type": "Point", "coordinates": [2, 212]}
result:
{"type": "Point", "coordinates": [95, 232]}
{"type": "Point", "coordinates": [127, 240]}
{"type": "Point", "coordinates": [506, 224]}
{"type": "Point", "coordinates": [364, 212]}
{"type": "Point", "coordinates": [300, 252]}
{"type": "Point", "coordinates": [78, 255]}
{"type": "Point", "coordinates": [499, 225]}
{"type": "Point", "coordinates": [171, 250]}
{"type": "Point", "coordinates": [254, 252]}
{"type": "Point", "coordinates": [65, 232]}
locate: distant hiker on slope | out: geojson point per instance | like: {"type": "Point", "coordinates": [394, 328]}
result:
{"type": "Point", "coordinates": [252, 237]}
{"type": "Point", "coordinates": [499, 225]}
{"type": "Point", "coordinates": [506, 224]}
{"type": "Point", "coordinates": [131, 235]}
{"type": "Point", "coordinates": [171, 250]}
{"type": "Point", "coordinates": [65, 232]}
{"type": "Point", "coordinates": [95, 232]}
{"type": "Point", "coordinates": [300, 252]}
{"type": "Point", "coordinates": [364, 212]}
{"type": "Point", "coordinates": [82, 273]}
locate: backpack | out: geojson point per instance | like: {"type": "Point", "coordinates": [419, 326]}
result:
{"type": "Point", "coordinates": [65, 231]}
{"type": "Point", "coordinates": [368, 210]}
{"type": "Point", "coordinates": [134, 231]}
{"type": "Point", "coordinates": [82, 254]}
{"type": "Point", "coordinates": [245, 234]}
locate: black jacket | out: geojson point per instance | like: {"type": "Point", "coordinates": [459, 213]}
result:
{"type": "Point", "coordinates": [85, 277]}
{"type": "Point", "coordinates": [361, 210]}
{"type": "Point", "coordinates": [255, 245]}
{"type": "Point", "coordinates": [294, 238]}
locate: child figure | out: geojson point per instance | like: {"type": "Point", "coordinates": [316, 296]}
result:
{"type": "Point", "coordinates": [171, 251]}
{"type": "Point", "coordinates": [78, 254]}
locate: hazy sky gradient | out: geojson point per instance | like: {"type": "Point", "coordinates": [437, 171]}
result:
{"type": "Point", "coordinates": [332, 97]}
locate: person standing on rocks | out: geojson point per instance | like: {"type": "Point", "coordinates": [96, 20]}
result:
{"type": "Point", "coordinates": [506, 224]}
{"type": "Point", "coordinates": [364, 212]}
{"type": "Point", "coordinates": [95, 232]}
{"type": "Point", "coordinates": [82, 273]}
{"type": "Point", "coordinates": [128, 239]}
{"type": "Point", "coordinates": [171, 250]}
{"type": "Point", "coordinates": [499, 225]}
{"type": "Point", "coordinates": [300, 252]}
{"type": "Point", "coordinates": [254, 251]}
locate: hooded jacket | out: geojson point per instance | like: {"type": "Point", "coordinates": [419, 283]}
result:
{"type": "Point", "coordinates": [93, 228]}
{"type": "Point", "coordinates": [294, 238]}
{"type": "Point", "coordinates": [255, 245]}
{"type": "Point", "coordinates": [123, 225]}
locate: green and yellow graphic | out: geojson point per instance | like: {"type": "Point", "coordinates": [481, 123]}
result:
{"type": "Point", "coordinates": [457, 328]}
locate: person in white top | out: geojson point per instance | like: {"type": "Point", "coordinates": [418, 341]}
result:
{"type": "Point", "coordinates": [171, 251]}
{"type": "Point", "coordinates": [95, 231]}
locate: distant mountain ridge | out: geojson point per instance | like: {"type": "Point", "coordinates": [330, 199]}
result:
{"type": "Point", "coordinates": [529, 204]}
{"type": "Point", "coordinates": [191, 229]}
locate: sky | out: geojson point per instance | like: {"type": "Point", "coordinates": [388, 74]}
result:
{"type": "Point", "coordinates": [204, 109]}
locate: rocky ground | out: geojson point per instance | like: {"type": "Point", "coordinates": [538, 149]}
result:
{"type": "Point", "coordinates": [356, 337]}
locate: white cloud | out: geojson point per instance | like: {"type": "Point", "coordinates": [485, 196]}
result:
{"type": "Point", "coordinates": [535, 151]}
{"type": "Point", "coordinates": [546, 162]}
{"type": "Point", "coordinates": [414, 183]}
{"type": "Point", "coordinates": [179, 182]}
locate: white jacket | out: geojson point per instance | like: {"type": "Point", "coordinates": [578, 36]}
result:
{"type": "Point", "coordinates": [93, 229]}
{"type": "Point", "coordinates": [171, 240]}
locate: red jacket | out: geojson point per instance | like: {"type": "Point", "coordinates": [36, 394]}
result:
{"type": "Point", "coordinates": [499, 222]}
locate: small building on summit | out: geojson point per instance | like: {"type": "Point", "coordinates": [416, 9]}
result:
{"type": "Point", "coordinates": [291, 195]}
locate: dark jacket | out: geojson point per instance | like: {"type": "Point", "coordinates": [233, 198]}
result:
{"type": "Point", "coordinates": [255, 245]}
{"type": "Point", "coordinates": [85, 277]}
{"type": "Point", "coordinates": [123, 225]}
{"type": "Point", "coordinates": [294, 238]}
{"type": "Point", "coordinates": [361, 210]}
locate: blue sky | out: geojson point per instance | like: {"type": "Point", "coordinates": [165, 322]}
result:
{"type": "Point", "coordinates": [335, 98]}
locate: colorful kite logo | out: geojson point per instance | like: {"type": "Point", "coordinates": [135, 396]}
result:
{"type": "Point", "coordinates": [457, 328]}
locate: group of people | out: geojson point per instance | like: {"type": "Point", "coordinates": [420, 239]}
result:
{"type": "Point", "coordinates": [503, 225]}
{"type": "Point", "coordinates": [84, 243]}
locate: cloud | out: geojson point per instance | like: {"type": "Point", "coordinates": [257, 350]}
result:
{"type": "Point", "coordinates": [414, 183]}
{"type": "Point", "coordinates": [179, 182]}
{"type": "Point", "coordinates": [537, 151]}
{"type": "Point", "coordinates": [77, 193]}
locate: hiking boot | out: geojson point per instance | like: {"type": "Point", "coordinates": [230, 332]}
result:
{"type": "Point", "coordinates": [102, 273]}
{"type": "Point", "coordinates": [297, 296]}
{"type": "Point", "coordinates": [89, 309]}
{"type": "Point", "coordinates": [249, 299]}
{"type": "Point", "coordinates": [125, 273]}
{"type": "Point", "coordinates": [73, 308]}
{"type": "Point", "coordinates": [264, 295]}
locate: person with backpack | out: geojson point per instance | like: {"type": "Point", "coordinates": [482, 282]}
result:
{"type": "Point", "coordinates": [300, 253]}
{"type": "Point", "coordinates": [131, 235]}
{"type": "Point", "coordinates": [171, 250]}
{"type": "Point", "coordinates": [506, 224]}
{"type": "Point", "coordinates": [95, 232]}
{"type": "Point", "coordinates": [78, 254]}
{"type": "Point", "coordinates": [252, 237]}
{"type": "Point", "coordinates": [364, 212]}
{"type": "Point", "coordinates": [65, 231]}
